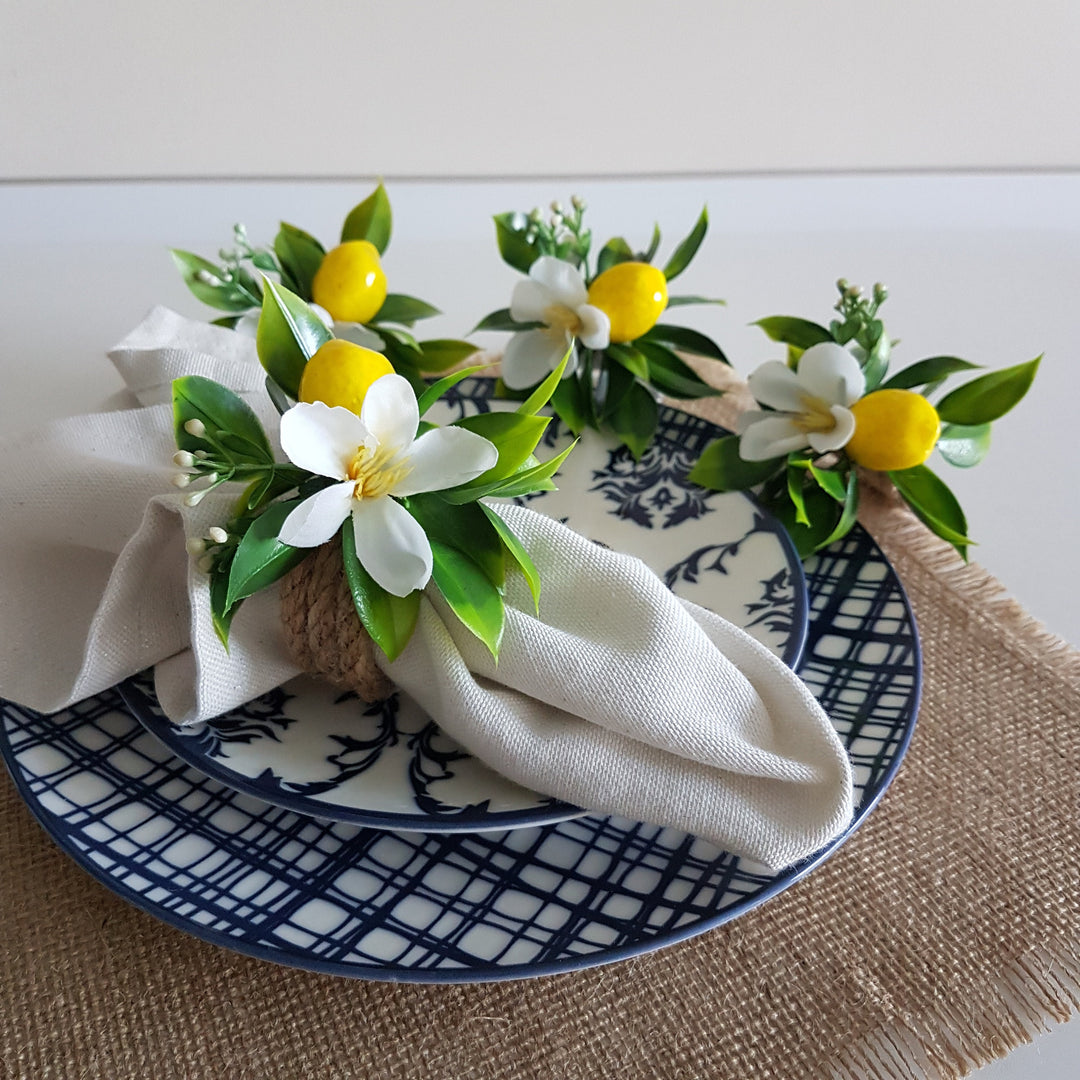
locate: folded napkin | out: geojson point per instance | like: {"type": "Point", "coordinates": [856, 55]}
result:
{"type": "Point", "coordinates": [619, 697]}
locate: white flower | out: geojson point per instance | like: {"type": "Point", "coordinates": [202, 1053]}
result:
{"type": "Point", "coordinates": [377, 458]}
{"type": "Point", "coordinates": [812, 404]}
{"type": "Point", "coordinates": [555, 295]}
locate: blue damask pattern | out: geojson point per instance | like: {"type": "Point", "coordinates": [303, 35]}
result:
{"type": "Point", "coordinates": [449, 908]}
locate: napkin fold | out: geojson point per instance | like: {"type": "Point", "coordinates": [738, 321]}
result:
{"type": "Point", "coordinates": [619, 697]}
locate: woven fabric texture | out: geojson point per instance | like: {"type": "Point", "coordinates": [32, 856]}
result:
{"type": "Point", "coordinates": [943, 933]}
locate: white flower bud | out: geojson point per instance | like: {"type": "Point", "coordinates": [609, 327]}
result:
{"type": "Point", "coordinates": [184, 458]}
{"type": "Point", "coordinates": [195, 428]}
{"type": "Point", "coordinates": [207, 278]}
{"type": "Point", "coordinates": [196, 546]}
{"type": "Point", "coordinates": [577, 202]}
{"type": "Point", "coordinates": [201, 455]}
{"type": "Point", "coordinates": [194, 498]}
{"type": "Point", "coordinates": [556, 207]}
{"type": "Point", "coordinates": [181, 480]}
{"type": "Point", "coordinates": [217, 534]}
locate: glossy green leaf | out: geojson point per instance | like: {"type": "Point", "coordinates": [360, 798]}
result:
{"type": "Point", "coordinates": [220, 410]}
{"type": "Point", "coordinates": [849, 514]}
{"type": "Point", "coordinates": [932, 370]}
{"type": "Point", "coordinates": [288, 336]}
{"type": "Point", "coordinates": [629, 358]}
{"type": "Point", "coordinates": [439, 354]}
{"type": "Point", "coordinates": [399, 308]}
{"type": "Point", "coordinates": [671, 375]}
{"type": "Point", "coordinates": [615, 251]}
{"type": "Point", "coordinates": [720, 468]}
{"type": "Point", "coordinates": [526, 481]}
{"type": "Point", "coordinates": [389, 619]}
{"type": "Point", "coordinates": [634, 418]}
{"type": "Point", "coordinates": [964, 446]}
{"type": "Point", "coordinates": [683, 301]}
{"type": "Point", "coordinates": [513, 247]}
{"type": "Point", "coordinates": [687, 249]}
{"type": "Point", "coordinates": [515, 436]}
{"type": "Point", "coordinates": [821, 510]}
{"type": "Point", "coordinates": [795, 478]}
{"type": "Point", "coordinates": [830, 481]}
{"type": "Point", "coordinates": [516, 550]}
{"type": "Point", "coordinates": [544, 390]}
{"type": "Point", "coordinates": [503, 320]}
{"type": "Point", "coordinates": [471, 596]}
{"type": "Point", "coordinates": [654, 244]}
{"type": "Point", "coordinates": [278, 397]}
{"type": "Point", "coordinates": [207, 283]}
{"type": "Point", "coordinates": [261, 558]}
{"type": "Point", "coordinates": [934, 503]}
{"type": "Point", "coordinates": [370, 220]}
{"type": "Point", "coordinates": [690, 341]}
{"type": "Point", "coordinates": [465, 527]}
{"type": "Point", "coordinates": [802, 333]}
{"type": "Point", "coordinates": [570, 401]}
{"type": "Point", "coordinates": [221, 614]}
{"type": "Point", "coordinates": [437, 389]}
{"type": "Point", "coordinates": [989, 396]}
{"type": "Point", "coordinates": [300, 254]}
{"type": "Point", "coordinates": [877, 362]}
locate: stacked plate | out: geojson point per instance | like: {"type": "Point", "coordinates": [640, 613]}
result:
{"type": "Point", "coordinates": [317, 830]}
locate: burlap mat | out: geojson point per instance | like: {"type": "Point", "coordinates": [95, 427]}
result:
{"type": "Point", "coordinates": [944, 933]}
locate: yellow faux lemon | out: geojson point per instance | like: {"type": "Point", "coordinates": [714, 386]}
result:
{"type": "Point", "coordinates": [894, 429]}
{"type": "Point", "coordinates": [350, 282]}
{"type": "Point", "coordinates": [633, 295]}
{"type": "Point", "coordinates": [340, 373]}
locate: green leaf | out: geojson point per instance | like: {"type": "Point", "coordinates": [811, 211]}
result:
{"type": "Point", "coordinates": [686, 250]}
{"type": "Point", "coordinates": [526, 481]}
{"type": "Point", "coordinates": [399, 308]}
{"type": "Point", "coordinates": [465, 527]}
{"type": "Point", "coordinates": [634, 418]}
{"type": "Point", "coordinates": [877, 362]}
{"type": "Point", "coordinates": [514, 435]}
{"type": "Point", "coordinates": [517, 552]}
{"type": "Point", "coordinates": [802, 333]}
{"type": "Point", "coordinates": [301, 256]}
{"type": "Point", "coordinates": [277, 396]}
{"type": "Point", "coordinates": [437, 389]}
{"type": "Point", "coordinates": [442, 353]}
{"type": "Point", "coordinates": [389, 619]}
{"type": "Point", "coordinates": [682, 337]}
{"type": "Point", "coordinates": [615, 251]}
{"type": "Point", "coordinates": [683, 301]}
{"type": "Point", "coordinates": [544, 391]}
{"type": "Point", "coordinates": [849, 513]}
{"type": "Point", "coordinates": [964, 446]}
{"type": "Point", "coordinates": [288, 336]}
{"type": "Point", "coordinates": [370, 220]}
{"type": "Point", "coordinates": [513, 247]}
{"type": "Point", "coordinates": [629, 358]}
{"type": "Point", "coordinates": [471, 596]}
{"type": "Point", "coordinates": [830, 481]}
{"type": "Point", "coordinates": [207, 282]}
{"type": "Point", "coordinates": [503, 320]}
{"type": "Point", "coordinates": [669, 374]}
{"type": "Point", "coordinates": [654, 243]}
{"type": "Point", "coordinates": [820, 509]}
{"type": "Point", "coordinates": [988, 397]}
{"type": "Point", "coordinates": [720, 468]}
{"type": "Point", "coordinates": [931, 370]}
{"type": "Point", "coordinates": [570, 401]}
{"type": "Point", "coordinates": [934, 504]}
{"type": "Point", "coordinates": [221, 614]}
{"type": "Point", "coordinates": [220, 410]}
{"type": "Point", "coordinates": [261, 558]}
{"type": "Point", "coordinates": [795, 478]}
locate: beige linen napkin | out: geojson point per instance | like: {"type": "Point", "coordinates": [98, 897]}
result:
{"type": "Point", "coordinates": [619, 698]}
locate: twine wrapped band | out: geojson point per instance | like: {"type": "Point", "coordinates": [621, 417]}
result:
{"type": "Point", "coordinates": [322, 630]}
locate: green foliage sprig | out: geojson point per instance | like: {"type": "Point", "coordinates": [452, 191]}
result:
{"type": "Point", "coordinates": [221, 440]}
{"type": "Point", "coordinates": [816, 495]}
{"type": "Point", "coordinates": [613, 389]}
{"type": "Point", "coordinates": [235, 285]}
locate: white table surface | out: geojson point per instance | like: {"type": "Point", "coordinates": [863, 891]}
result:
{"type": "Point", "coordinates": [984, 267]}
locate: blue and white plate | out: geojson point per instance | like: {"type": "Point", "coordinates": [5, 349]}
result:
{"type": "Point", "coordinates": [309, 748]}
{"type": "Point", "coordinates": [466, 907]}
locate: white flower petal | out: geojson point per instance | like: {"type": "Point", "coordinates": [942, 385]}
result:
{"type": "Point", "coordinates": [776, 385]}
{"type": "Point", "coordinates": [562, 280]}
{"type": "Point", "coordinates": [357, 333]}
{"type": "Point", "coordinates": [390, 412]}
{"type": "Point", "coordinates": [595, 327]}
{"type": "Point", "coordinates": [750, 416]}
{"type": "Point", "coordinates": [391, 546]}
{"type": "Point", "coordinates": [317, 518]}
{"type": "Point", "coordinates": [821, 442]}
{"type": "Point", "coordinates": [322, 439]}
{"type": "Point", "coordinates": [770, 437]}
{"type": "Point", "coordinates": [444, 457]}
{"type": "Point", "coordinates": [529, 301]}
{"type": "Point", "coordinates": [830, 372]}
{"type": "Point", "coordinates": [529, 356]}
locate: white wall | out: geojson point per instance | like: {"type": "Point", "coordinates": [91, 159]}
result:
{"type": "Point", "coordinates": [492, 87]}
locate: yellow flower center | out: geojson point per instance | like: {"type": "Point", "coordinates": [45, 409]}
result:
{"type": "Point", "coordinates": [816, 415]}
{"type": "Point", "coordinates": [375, 471]}
{"type": "Point", "coordinates": [562, 320]}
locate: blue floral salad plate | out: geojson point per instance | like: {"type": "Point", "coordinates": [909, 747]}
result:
{"type": "Point", "coordinates": [307, 747]}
